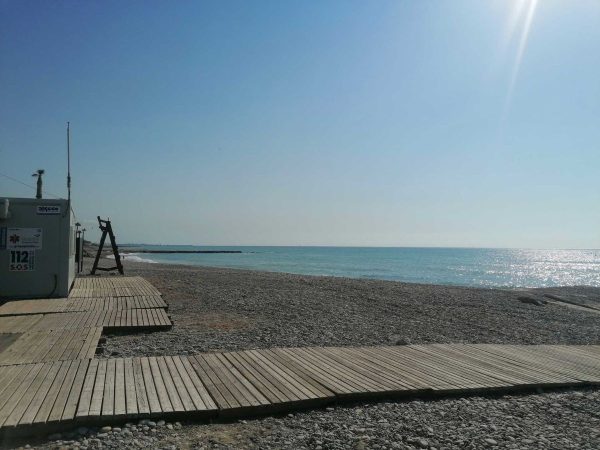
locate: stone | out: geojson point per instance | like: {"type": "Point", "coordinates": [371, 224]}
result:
{"type": "Point", "coordinates": [160, 423]}
{"type": "Point", "coordinates": [360, 445]}
{"type": "Point", "coordinates": [531, 300]}
{"type": "Point", "coordinates": [396, 339]}
{"type": "Point", "coordinates": [491, 441]}
{"type": "Point", "coordinates": [169, 426]}
{"type": "Point", "coordinates": [106, 429]}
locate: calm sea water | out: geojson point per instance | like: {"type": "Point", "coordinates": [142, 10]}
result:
{"type": "Point", "coordinates": [454, 266]}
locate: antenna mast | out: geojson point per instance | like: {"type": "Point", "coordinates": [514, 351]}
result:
{"type": "Point", "coordinates": [69, 163]}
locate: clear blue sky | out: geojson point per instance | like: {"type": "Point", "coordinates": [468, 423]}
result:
{"type": "Point", "coordinates": [393, 123]}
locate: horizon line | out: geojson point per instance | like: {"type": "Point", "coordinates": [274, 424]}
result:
{"type": "Point", "coordinates": [130, 244]}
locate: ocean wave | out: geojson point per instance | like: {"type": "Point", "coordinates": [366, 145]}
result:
{"type": "Point", "coordinates": [133, 257]}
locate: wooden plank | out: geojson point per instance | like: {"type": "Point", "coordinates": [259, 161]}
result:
{"type": "Point", "coordinates": [559, 375]}
{"type": "Point", "coordinates": [384, 364]}
{"type": "Point", "coordinates": [412, 374]}
{"type": "Point", "coordinates": [262, 382]}
{"type": "Point", "coordinates": [108, 399]}
{"type": "Point", "coordinates": [76, 391]}
{"type": "Point", "coordinates": [151, 391]}
{"type": "Point", "coordinates": [63, 394]}
{"type": "Point", "coordinates": [23, 403]}
{"type": "Point", "coordinates": [473, 372]}
{"type": "Point", "coordinates": [290, 380]}
{"type": "Point", "coordinates": [178, 381]}
{"type": "Point", "coordinates": [518, 374]}
{"type": "Point", "coordinates": [169, 384]}
{"type": "Point", "coordinates": [161, 389]}
{"type": "Point", "coordinates": [242, 384]}
{"type": "Point", "coordinates": [120, 398]}
{"type": "Point", "coordinates": [525, 370]}
{"type": "Point", "coordinates": [310, 368]}
{"type": "Point", "coordinates": [411, 358]}
{"type": "Point", "coordinates": [85, 400]}
{"type": "Point", "coordinates": [308, 383]}
{"type": "Point", "coordinates": [237, 392]}
{"type": "Point", "coordinates": [45, 409]}
{"type": "Point", "coordinates": [130, 391]}
{"type": "Point", "coordinates": [447, 371]}
{"type": "Point", "coordinates": [140, 388]}
{"type": "Point", "coordinates": [194, 396]}
{"type": "Point", "coordinates": [95, 409]}
{"type": "Point", "coordinates": [338, 371]}
{"type": "Point", "coordinates": [13, 383]}
{"type": "Point", "coordinates": [37, 401]}
{"type": "Point", "coordinates": [198, 384]}
{"type": "Point", "coordinates": [219, 392]}
{"type": "Point", "coordinates": [365, 370]}
{"type": "Point", "coordinates": [410, 371]}
{"type": "Point", "coordinates": [20, 394]}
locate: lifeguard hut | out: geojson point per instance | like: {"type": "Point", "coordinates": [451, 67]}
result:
{"type": "Point", "coordinates": [37, 248]}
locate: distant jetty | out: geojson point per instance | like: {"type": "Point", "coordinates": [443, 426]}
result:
{"type": "Point", "coordinates": [182, 251]}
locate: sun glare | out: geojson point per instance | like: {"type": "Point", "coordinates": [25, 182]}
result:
{"type": "Point", "coordinates": [519, 26]}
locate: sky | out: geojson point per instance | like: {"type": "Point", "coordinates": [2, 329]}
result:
{"type": "Point", "coordinates": [462, 123]}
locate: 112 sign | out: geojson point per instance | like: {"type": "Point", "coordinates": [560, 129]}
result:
{"type": "Point", "coordinates": [21, 260]}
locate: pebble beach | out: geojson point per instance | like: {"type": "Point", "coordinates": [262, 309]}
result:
{"type": "Point", "coordinates": [217, 309]}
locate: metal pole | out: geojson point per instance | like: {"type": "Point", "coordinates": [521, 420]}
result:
{"type": "Point", "coordinates": [78, 249]}
{"type": "Point", "coordinates": [69, 163]}
{"type": "Point", "coordinates": [82, 245]}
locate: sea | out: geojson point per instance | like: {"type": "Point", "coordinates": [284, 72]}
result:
{"type": "Point", "coordinates": [481, 267]}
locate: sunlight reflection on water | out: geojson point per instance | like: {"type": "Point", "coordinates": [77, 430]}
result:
{"type": "Point", "coordinates": [455, 266]}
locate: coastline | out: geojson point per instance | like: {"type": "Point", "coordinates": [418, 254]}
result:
{"type": "Point", "coordinates": [497, 268]}
{"type": "Point", "coordinates": [217, 309]}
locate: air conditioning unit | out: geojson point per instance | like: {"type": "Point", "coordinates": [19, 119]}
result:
{"type": "Point", "coordinates": [37, 248]}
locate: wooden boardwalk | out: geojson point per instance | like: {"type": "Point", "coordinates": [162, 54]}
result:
{"type": "Point", "coordinates": [54, 345]}
{"type": "Point", "coordinates": [58, 305]}
{"type": "Point", "coordinates": [94, 287]}
{"type": "Point", "coordinates": [44, 330]}
{"type": "Point", "coordinates": [49, 378]}
{"type": "Point", "coordinates": [109, 303]}
{"type": "Point", "coordinates": [246, 383]}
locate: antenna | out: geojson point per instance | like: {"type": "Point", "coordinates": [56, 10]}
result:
{"type": "Point", "coordinates": [69, 162]}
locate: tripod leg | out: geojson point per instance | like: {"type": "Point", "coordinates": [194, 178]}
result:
{"type": "Point", "coordinates": [115, 249]}
{"type": "Point", "coordinates": [95, 266]}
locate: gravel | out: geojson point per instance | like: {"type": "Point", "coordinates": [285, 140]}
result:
{"type": "Point", "coordinates": [554, 420]}
{"type": "Point", "coordinates": [223, 309]}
